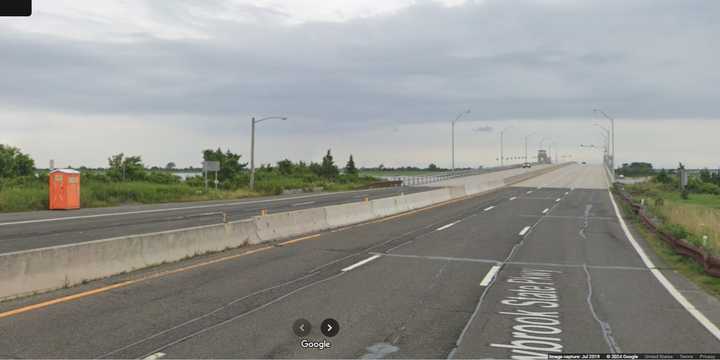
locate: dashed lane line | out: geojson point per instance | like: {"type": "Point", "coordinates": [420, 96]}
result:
{"type": "Point", "coordinates": [360, 263]}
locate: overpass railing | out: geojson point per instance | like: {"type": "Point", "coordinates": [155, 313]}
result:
{"type": "Point", "coordinates": [446, 175]}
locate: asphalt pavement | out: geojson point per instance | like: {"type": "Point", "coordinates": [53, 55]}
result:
{"type": "Point", "coordinates": [38, 229]}
{"type": "Point", "coordinates": [538, 268]}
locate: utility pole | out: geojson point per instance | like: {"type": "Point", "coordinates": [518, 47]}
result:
{"type": "Point", "coordinates": [252, 146]}
{"type": "Point", "coordinates": [252, 157]}
{"type": "Point", "coordinates": [452, 136]}
{"type": "Point", "coordinates": [502, 145]}
{"type": "Point", "coordinates": [526, 145]}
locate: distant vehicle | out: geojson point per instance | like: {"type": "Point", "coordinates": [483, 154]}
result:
{"type": "Point", "coordinates": [622, 176]}
{"type": "Point", "coordinates": [526, 165]}
{"type": "Point", "coordinates": [584, 163]}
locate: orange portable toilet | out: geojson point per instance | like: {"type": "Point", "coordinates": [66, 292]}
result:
{"type": "Point", "coordinates": [64, 190]}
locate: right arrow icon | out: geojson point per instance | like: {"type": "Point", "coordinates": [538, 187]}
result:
{"type": "Point", "coordinates": [330, 327]}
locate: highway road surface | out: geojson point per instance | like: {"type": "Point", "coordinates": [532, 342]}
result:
{"type": "Point", "coordinates": [31, 230]}
{"type": "Point", "coordinates": [542, 267]}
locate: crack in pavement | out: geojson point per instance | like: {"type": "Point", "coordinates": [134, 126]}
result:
{"type": "Point", "coordinates": [604, 326]}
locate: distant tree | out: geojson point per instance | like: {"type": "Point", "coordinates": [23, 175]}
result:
{"type": "Point", "coordinates": [170, 166]}
{"type": "Point", "coordinates": [316, 168]}
{"type": "Point", "coordinates": [636, 169]}
{"type": "Point", "coordinates": [705, 176]}
{"type": "Point", "coordinates": [432, 167]}
{"type": "Point", "coordinates": [663, 177]}
{"type": "Point", "coordinates": [126, 168]}
{"type": "Point", "coordinates": [381, 167]}
{"type": "Point", "coordinates": [14, 163]}
{"type": "Point", "coordinates": [328, 167]}
{"type": "Point", "coordinates": [350, 168]}
{"type": "Point", "coordinates": [230, 165]}
{"type": "Point", "coordinates": [285, 167]}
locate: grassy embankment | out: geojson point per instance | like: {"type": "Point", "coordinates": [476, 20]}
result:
{"type": "Point", "coordinates": [697, 216]}
{"type": "Point", "coordinates": [694, 218]}
{"type": "Point", "coordinates": [32, 194]}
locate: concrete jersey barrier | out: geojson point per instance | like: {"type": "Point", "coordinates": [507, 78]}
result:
{"type": "Point", "coordinates": [45, 269]}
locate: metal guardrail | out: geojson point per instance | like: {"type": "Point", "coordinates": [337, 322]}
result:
{"type": "Point", "coordinates": [436, 177]}
{"type": "Point", "coordinates": [709, 262]}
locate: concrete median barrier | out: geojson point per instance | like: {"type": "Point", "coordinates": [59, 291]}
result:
{"type": "Point", "coordinates": [346, 214]}
{"type": "Point", "coordinates": [384, 207]}
{"type": "Point", "coordinates": [427, 198]}
{"type": "Point", "coordinates": [531, 174]}
{"type": "Point", "coordinates": [30, 271]}
{"type": "Point", "coordinates": [287, 224]}
{"type": "Point", "coordinates": [50, 268]}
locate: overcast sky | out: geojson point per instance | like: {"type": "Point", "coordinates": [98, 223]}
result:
{"type": "Point", "coordinates": [164, 79]}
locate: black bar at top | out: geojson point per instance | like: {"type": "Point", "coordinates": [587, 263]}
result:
{"type": "Point", "coordinates": [15, 7]}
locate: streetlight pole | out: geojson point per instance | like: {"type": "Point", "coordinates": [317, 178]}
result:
{"type": "Point", "coordinates": [526, 142]}
{"type": "Point", "coordinates": [452, 136]}
{"type": "Point", "coordinates": [252, 147]}
{"type": "Point", "coordinates": [612, 126]}
{"type": "Point", "coordinates": [606, 136]}
{"type": "Point", "coordinates": [502, 145]}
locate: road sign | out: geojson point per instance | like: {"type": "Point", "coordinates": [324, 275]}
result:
{"type": "Point", "coordinates": [211, 165]}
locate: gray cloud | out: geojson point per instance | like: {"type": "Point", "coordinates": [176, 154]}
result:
{"type": "Point", "coordinates": [505, 59]}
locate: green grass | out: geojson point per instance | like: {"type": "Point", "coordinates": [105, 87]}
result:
{"type": "Point", "coordinates": [684, 265]}
{"type": "Point", "coordinates": [33, 195]}
{"type": "Point", "coordinates": [95, 194]}
{"type": "Point", "coordinates": [698, 216]}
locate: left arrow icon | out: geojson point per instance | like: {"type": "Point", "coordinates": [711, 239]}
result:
{"type": "Point", "coordinates": [301, 327]}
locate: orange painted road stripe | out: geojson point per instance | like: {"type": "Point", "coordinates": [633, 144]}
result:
{"type": "Point", "coordinates": [124, 284]}
{"type": "Point", "coordinates": [300, 239]}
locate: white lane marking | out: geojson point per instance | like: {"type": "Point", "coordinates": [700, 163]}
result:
{"type": "Point", "coordinates": [529, 192]}
{"type": "Point", "coordinates": [489, 208]}
{"type": "Point", "coordinates": [524, 231]}
{"type": "Point", "coordinates": [155, 356]}
{"type": "Point", "coordinates": [513, 198]}
{"type": "Point", "coordinates": [360, 263]}
{"type": "Point", "coordinates": [566, 193]}
{"type": "Point", "coordinates": [558, 200]}
{"type": "Point", "coordinates": [490, 275]}
{"type": "Point", "coordinates": [446, 226]}
{"type": "Point", "coordinates": [173, 209]}
{"type": "Point", "coordinates": [304, 203]}
{"type": "Point", "coordinates": [546, 211]}
{"type": "Point", "coordinates": [699, 316]}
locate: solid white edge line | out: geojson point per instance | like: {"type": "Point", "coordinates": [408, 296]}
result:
{"type": "Point", "coordinates": [700, 317]}
{"type": "Point", "coordinates": [524, 231]}
{"type": "Point", "coordinates": [490, 275]}
{"type": "Point", "coordinates": [489, 208]}
{"type": "Point", "coordinates": [360, 263]}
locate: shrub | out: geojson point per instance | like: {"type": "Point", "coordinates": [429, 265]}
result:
{"type": "Point", "coordinates": [161, 177]}
{"type": "Point", "coordinates": [677, 231]}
